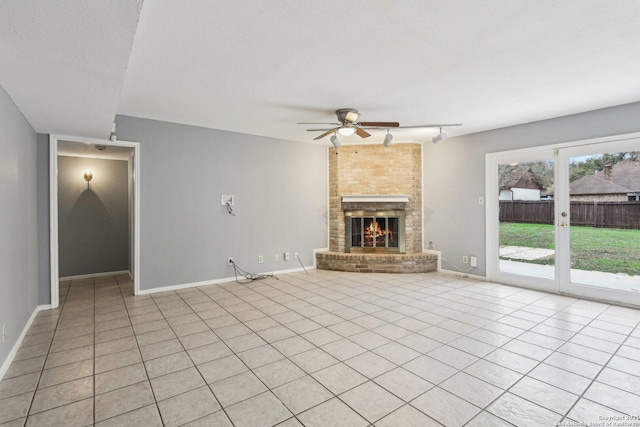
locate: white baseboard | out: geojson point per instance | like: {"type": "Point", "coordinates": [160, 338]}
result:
{"type": "Point", "coordinates": [87, 276]}
{"type": "Point", "coordinates": [14, 350]}
{"type": "Point", "coordinates": [185, 285]}
{"type": "Point", "coordinates": [461, 274]}
{"type": "Point", "coordinates": [215, 281]}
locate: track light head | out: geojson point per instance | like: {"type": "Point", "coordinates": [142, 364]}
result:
{"type": "Point", "coordinates": [335, 141]}
{"type": "Point", "coordinates": [439, 137]}
{"type": "Point", "coordinates": [387, 139]}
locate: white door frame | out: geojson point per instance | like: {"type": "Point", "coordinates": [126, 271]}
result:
{"type": "Point", "coordinates": [560, 284]}
{"type": "Point", "coordinates": [53, 208]}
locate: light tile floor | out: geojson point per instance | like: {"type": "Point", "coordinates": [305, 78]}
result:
{"type": "Point", "coordinates": [324, 349]}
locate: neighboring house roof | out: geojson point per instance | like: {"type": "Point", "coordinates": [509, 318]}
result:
{"type": "Point", "coordinates": [624, 178]}
{"type": "Point", "coordinates": [595, 184]}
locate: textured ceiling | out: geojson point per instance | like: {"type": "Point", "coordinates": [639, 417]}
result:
{"type": "Point", "coordinates": [258, 67]}
{"type": "Point", "coordinates": [63, 61]}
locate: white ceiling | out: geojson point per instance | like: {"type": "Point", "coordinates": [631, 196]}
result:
{"type": "Point", "coordinates": [258, 67]}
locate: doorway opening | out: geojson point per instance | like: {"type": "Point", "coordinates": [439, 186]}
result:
{"type": "Point", "coordinates": [94, 210]}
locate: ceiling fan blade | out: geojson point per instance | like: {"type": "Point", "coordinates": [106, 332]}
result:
{"type": "Point", "coordinates": [317, 123]}
{"type": "Point", "coordinates": [330, 131]}
{"type": "Point", "coordinates": [437, 125]}
{"type": "Point", "coordinates": [380, 124]}
{"type": "Point", "coordinates": [362, 133]}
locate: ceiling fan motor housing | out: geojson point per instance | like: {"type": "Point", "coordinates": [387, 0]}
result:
{"type": "Point", "coordinates": [347, 115]}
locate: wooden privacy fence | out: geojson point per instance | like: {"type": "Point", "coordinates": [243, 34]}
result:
{"type": "Point", "coordinates": [589, 214]}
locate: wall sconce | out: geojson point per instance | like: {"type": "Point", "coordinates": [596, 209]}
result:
{"type": "Point", "coordinates": [88, 176]}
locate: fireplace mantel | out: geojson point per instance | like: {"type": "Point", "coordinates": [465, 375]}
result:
{"type": "Point", "coordinates": [387, 198]}
{"type": "Point", "coordinates": [392, 202]}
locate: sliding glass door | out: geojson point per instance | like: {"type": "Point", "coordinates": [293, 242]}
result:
{"type": "Point", "coordinates": [567, 219]}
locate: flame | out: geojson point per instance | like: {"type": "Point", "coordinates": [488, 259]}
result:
{"type": "Point", "coordinates": [375, 230]}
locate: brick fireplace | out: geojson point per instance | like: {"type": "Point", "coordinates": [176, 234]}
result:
{"type": "Point", "coordinates": [375, 185]}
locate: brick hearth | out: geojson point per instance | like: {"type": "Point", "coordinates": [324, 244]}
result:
{"type": "Point", "coordinates": [377, 263]}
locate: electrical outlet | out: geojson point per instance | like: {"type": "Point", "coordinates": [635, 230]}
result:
{"type": "Point", "coordinates": [260, 259]}
{"type": "Point", "coordinates": [229, 261]}
{"type": "Point", "coordinates": [227, 198]}
{"type": "Point", "coordinates": [275, 258]}
{"type": "Point", "coordinates": [286, 256]}
{"type": "Point", "coordinates": [474, 261]}
{"type": "Point", "coordinates": [295, 255]}
{"type": "Point", "coordinates": [465, 259]}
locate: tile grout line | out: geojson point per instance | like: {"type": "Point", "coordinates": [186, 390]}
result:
{"type": "Point", "coordinates": [94, 351]}
{"type": "Point", "coordinates": [598, 374]}
{"type": "Point", "coordinates": [287, 357]}
{"type": "Point", "coordinates": [556, 351]}
{"type": "Point", "coordinates": [126, 307]}
{"type": "Point", "coordinates": [526, 375]}
{"type": "Point", "coordinates": [189, 356]}
{"type": "Point", "coordinates": [55, 330]}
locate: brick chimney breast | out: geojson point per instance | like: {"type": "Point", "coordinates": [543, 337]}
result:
{"type": "Point", "coordinates": [607, 173]}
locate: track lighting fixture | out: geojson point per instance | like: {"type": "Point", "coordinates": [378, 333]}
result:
{"type": "Point", "coordinates": [387, 139]}
{"type": "Point", "coordinates": [335, 141]}
{"type": "Point", "coordinates": [439, 137]}
{"type": "Point", "coordinates": [113, 136]}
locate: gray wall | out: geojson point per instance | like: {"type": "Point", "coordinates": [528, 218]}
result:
{"type": "Point", "coordinates": [93, 223]}
{"type": "Point", "coordinates": [44, 264]}
{"type": "Point", "coordinates": [454, 174]}
{"type": "Point", "coordinates": [18, 223]}
{"type": "Point", "coordinates": [186, 234]}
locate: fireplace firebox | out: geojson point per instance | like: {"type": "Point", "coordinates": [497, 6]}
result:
{"type": "Point", "coordinates": [374, 231]}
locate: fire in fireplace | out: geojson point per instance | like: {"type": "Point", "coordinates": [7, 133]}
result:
{"type": "Point", "coordinates": [374, 231]}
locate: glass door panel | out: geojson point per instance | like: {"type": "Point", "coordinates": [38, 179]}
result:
{"type": "Point", "coordinates": [601, 233]}
{"type": "Point", "coordinates": [526, 206]}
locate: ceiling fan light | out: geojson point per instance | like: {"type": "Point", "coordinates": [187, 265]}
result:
{"type": "Point", "coordinates": [387, 140]}
{"type": "Point", "coordinates": [335, 141]}
{"type": "Point", "coordinates": [439, 138]}
{"type": "Point", "coordinates": [346, 130]}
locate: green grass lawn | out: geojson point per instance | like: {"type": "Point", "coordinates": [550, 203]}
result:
{"type": "Point", "coordinates": [610, 250]}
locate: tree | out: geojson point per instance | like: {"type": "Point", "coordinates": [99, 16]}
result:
{"type": "Point", "coordinates": [543, 171]}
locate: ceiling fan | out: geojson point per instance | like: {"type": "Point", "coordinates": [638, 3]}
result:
{"type": "Point", "coordinates": [349, 124]}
